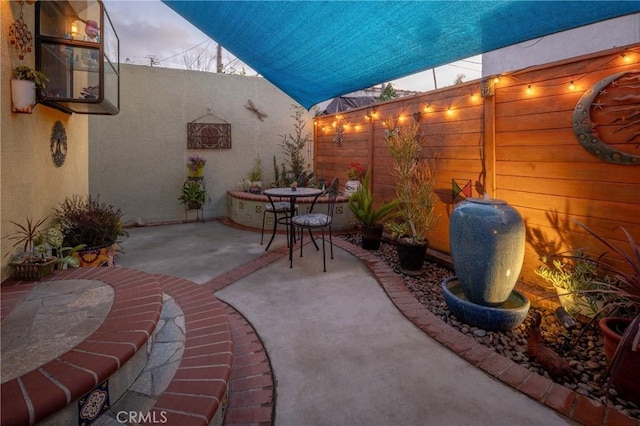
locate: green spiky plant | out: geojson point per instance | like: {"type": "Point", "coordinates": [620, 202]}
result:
{"type": "Point", "coordinates": [361, 204]}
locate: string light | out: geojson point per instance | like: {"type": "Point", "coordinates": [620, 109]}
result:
{"type": "Point", "coordinates": [572, 86]}
{"type": "Point", "coordinates": [625, 57]}
{"type": "Point", "coordinates": [449, 111]}
{"type": "Point", "coordinates": [529, 89]}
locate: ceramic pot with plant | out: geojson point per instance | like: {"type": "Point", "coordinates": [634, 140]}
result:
{"type": "Point", "coordinates": [31, 261]}
{"type": "Point", "coordinates": [371, 218]}
{"type": "Point", "coordinates": [621, 324]}
{"type": "Point", "coordinates": [194, 195]}
{"type": "Point", "coordinates": [94, 223]}
{"type": "Point", "coordinates": [355, 172]}
{"type": "Point", "coordinates": [195, 166]}
{"type": "Point", "coordinates": [23, 88]}
{"type": "Point", "coordinates": [415, 180]}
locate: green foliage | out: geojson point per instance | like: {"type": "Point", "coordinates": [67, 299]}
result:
{"type": "Point", "coordinates": [87, 220]}
{"type": "Point", "coordinates": [576, 275]}
{"type": "Point", "coordinates": [361, 204]}
{"type": "Point", "coordinates": [415, 180]}
{"type": "Point", "coordinates": [194, 194]}
{"type": "Point", "coordinates": [293, 145]}
{"type": "Point", "coordinates": [24, 72]}
{"type": "Point", "coordinates": [256, 172]}
{"type": "Point", "coordinates": [28, 236]}
{"type": "Point", "coordinates": [388, 93]}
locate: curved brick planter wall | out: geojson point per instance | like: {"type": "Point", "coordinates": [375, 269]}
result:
{"type": "Point", "coordinates": [134, 314]}
{"type": "Point", "coordinates": [246, 209]}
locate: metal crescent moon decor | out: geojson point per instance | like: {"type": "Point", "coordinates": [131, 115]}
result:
{"type": "Point", "coordinates": [609, 114]}
{"type": "Point", "coordinates": [58, 144]}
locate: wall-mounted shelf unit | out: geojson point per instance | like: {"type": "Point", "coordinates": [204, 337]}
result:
{"type": "Point", "coordinates": [78, 48]}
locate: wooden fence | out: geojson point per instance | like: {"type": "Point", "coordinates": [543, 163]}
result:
{"type": "Point", "coordinates": [512, 137]}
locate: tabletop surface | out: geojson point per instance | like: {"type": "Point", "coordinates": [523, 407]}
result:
{"type": "Point", "coordinates": [289, 192]}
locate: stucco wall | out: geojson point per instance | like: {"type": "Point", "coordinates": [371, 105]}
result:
{"type": "Point", "coordinates": [554, 47]}
{"type": "Point", "coordinates": [137, 158]}
{"type": "Point", "coordinates": [31, 185]}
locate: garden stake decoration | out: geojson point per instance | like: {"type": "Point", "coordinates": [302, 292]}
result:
{"type": "Point", "coordinates": [20, 36]}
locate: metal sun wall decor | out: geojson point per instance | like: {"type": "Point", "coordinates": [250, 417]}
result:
{"type": "Point", "coordinates": [208, 135]}
{"type": "Point", "coordinates": [606, 119]}
{"type": "Point", "coordinates": [20, 36]}
{"type": "Point", "coordinates": [58, 144]}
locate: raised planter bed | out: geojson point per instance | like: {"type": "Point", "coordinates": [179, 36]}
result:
{"type": "Point", "coordinates": [246, 209]}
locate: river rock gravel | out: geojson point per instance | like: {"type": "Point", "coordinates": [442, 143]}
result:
{"type": "Point", "coordinates": [582, 346]}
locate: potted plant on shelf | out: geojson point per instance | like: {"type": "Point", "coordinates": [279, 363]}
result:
{"type": "Point", "coordinates": [23, 88]}
{"type": "Point", "coordinates": [621, 323]}
{"type": "Point", "coordinates": [355, 172]}
{"type": "Point", "coordinates": [31, 262]}
{"type": "Point", "coordinates": [195, 166]}
{"type": "Point", "coordinates": [361, 203]}
{"type": "Point", "coordinates": [193, 195]}
{"type": "Point", "coordinates": [415, 179]}
{"type": "Point", "coordinates": [96, 224]}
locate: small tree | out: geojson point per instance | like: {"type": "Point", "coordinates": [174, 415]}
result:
{"type": "Point", "coordinates": [293, 167]}
{"type": "Point", "coordinates": [388, 93]}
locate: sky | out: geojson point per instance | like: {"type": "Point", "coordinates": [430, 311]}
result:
{"type": "Point", "coordinates": [151, 31]}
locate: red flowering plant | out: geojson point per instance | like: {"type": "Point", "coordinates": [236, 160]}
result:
{"type": "Point", "coordinates": [355, 171]}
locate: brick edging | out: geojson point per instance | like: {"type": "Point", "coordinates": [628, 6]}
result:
{"type": "Point", "coordinates": [251, 386]}
{"type": "Point", "coordinates": [133, 316]}
{"type": "Point", "coordinates": [561, 399]}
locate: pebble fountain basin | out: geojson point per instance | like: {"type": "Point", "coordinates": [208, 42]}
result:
{"type": "Point", "coordinates": [506, 316]}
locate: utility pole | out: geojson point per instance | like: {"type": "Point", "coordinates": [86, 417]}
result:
{"type": "Point", "coordinates": [219, 58]}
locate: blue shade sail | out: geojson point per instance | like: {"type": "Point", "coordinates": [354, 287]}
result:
{"type": "Point", "coordinates": [316, 50]}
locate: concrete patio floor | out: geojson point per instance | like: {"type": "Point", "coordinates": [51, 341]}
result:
{"type": "Point", "coordinates": [341, 352]}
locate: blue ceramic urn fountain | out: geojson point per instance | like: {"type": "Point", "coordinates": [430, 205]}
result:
{"type": "Point", "coordinates": [487, 248]}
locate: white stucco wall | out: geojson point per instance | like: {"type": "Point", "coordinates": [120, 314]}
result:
{"type": "Point", "coordinates": [137, 158]}
{"type": "Point", "coordinates": [31, 185]}
{"type": "Point", "coordinates": [567, 44]}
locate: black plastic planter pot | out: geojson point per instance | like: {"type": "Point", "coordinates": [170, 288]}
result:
{"type": "Point", "coordinates": [411, 257]}
{"type": "Point", "coordinates": [371, 237]}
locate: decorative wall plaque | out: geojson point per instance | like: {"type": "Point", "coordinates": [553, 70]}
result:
{"type": "Point", "coordinates": [58, 143]}
{"type": "Point", "coordinates": [606, 119]}
{"type": "Point", "coordinates": [208, 135]}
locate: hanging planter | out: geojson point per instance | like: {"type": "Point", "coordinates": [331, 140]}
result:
{"type": "Point", "coordinates": [23, 88]}
{"type": "Point", "coordinates": [23, 96]}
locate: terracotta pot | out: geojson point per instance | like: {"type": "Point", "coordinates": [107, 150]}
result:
{"type": "Point", "coordinates": [627, 380]}
{"type": "Point", "coordinates": [411, 257]}
{"type": "Point", "coordinates": [371, 236]}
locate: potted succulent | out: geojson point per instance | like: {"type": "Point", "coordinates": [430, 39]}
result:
{"type": "Point", "coordinates": [193, 195]}
{"type": "Point", "coordinates": [355, 172]}
{"type": "Point", "coordinates": [621, 324]}
{"type": "Point", "coordinates": [415, 179]}
{"type": "Point", "coordinates": [361, 203]}
{"type": "Point", "coordinates": [31, 261]}
{"type": "Point", "coordinates": [23, 88]}
{"type": "Point", "coordinates": [195, 166]}
{"type": "Point", "coordinates": [255, 176]}
{"type": "Point", "coordinates": [96, 224]}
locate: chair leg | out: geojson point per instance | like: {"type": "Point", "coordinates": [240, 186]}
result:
{"type": "Point", "coordinates": [330, 242]}
{"type": "Point", "coordinates": [324, 259]}
{"type": "Point", "coordinates": [264, 214]}
{"type": "Point", "coordinates": [273, 234]}
{"type": "Point", "coordinates": [313, 239]}
{"type": "Point", "coordinates": [301, 242]}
